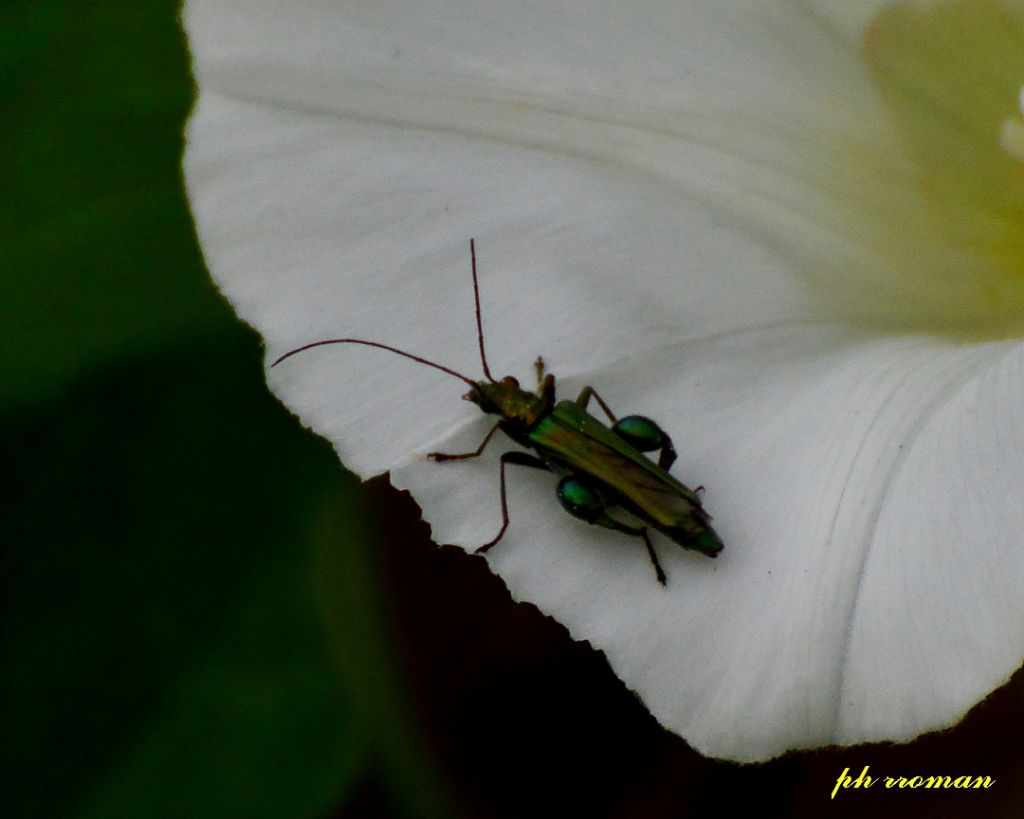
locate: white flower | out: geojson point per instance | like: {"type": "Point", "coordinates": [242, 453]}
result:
{"type": "Point", "coordinates": [790, 232]}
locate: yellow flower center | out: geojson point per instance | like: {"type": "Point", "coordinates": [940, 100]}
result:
{"type": "Point", "coordinates": [938, 207]}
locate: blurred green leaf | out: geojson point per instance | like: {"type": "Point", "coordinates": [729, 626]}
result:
{"type": "Point", "coordinates": [363, 638]}
{"type": "Point", "coordinates": [163, 653]}
{"type": "Point", "coordinates": [255, 730]}
{"type": "Point", "coordinates": [99, 255]}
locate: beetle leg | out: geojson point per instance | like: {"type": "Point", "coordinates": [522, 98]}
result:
{"type": "Point", "coordinates": [637, 531]}
{"type": "Point", "coordinates": [584, 399]}
{"type": "Point", "coordinates": [522, 459]}
{"type": "Point", "coordinates": [658, 571]}
{"type": "Point", "coordinates": [441, 456]}
{"type": "Point", "coordinates": [667, 456]}
{"type": "Point", "coordinates": [545, 382]}
{"type": "Point", "coordinates": [645, 434]}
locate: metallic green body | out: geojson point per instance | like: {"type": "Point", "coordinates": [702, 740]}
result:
{"type": "Point", "coordinates": [574, 442]}
{"type": "Point", "coordinates": [570, 441]}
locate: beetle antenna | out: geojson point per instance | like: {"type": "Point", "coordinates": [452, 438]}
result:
{"type": "Point", "coordinates": [395, 350]}
{"type": "Point", "coordinates": [479, 320]}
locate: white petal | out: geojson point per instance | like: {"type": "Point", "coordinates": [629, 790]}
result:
{"type": "Point", "coordinates": [595, 240]}
{"type": "Point", "coordinates": [939, 600]}
{"type": "Point", "coordinates": [706, 99]}
{"type": "Point", "coordinates": [643, 221]}
{"type": "Point", "coordinates": [851, 481]}
{"type": "Point", "coordinates": [323, 228]}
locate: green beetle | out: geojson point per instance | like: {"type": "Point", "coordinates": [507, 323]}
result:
{"type": "Point", "coordinates": [602, 468]}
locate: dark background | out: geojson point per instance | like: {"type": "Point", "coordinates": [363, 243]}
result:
{"type": "Point", "coordinates": [203, 615]}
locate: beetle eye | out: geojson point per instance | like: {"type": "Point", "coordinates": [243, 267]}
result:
{"type": "Point", "coordinates": [510, 381]}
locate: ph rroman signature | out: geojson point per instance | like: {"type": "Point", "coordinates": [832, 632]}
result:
{"type": "Point", "coordinates": [937, 782]}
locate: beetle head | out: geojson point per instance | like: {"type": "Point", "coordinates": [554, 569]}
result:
{"type": "Point", "coordinates": [492, 396]}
